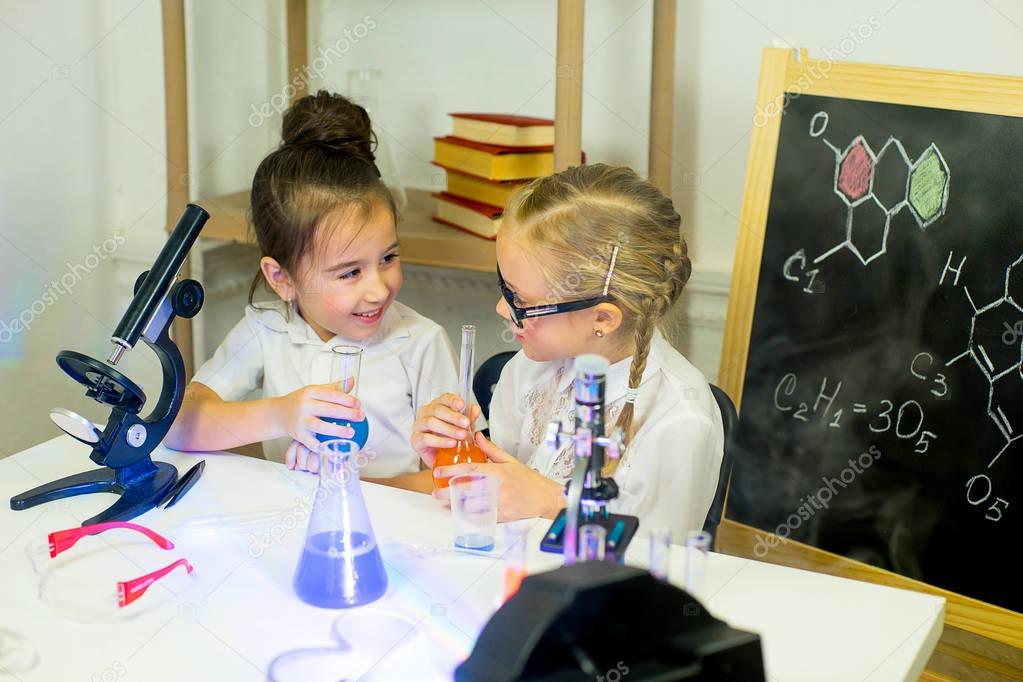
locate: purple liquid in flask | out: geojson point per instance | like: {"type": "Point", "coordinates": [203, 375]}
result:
{"type": "Point", "coordinates": [340, 566]}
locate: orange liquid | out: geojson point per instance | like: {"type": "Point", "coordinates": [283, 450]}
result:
{"type": "Point", "coordinates": [513, 580]}
{"type": "Point", "coordinates": [464, 451]}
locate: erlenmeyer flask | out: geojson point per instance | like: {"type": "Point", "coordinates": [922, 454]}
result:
{"type": "Point", "coordinates": [340, 566]}
{"type": "Point", "coordinates": [363, 89]}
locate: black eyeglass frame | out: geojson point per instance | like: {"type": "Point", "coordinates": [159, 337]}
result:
{"type": "Point", "coordinates": [518, 314]}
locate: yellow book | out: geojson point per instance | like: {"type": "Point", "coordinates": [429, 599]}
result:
{"type": "Point", "coordinates": [493, 162]}
{"type": "Point", "coordinates": [471, 216]}
{"type": "Point", "coordinates": [478, 189]}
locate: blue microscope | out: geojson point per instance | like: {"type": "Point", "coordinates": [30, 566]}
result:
{"type": "Point", "coordinates": [589, 492]}
{"type": "Point", "coordinates": [124, 446]}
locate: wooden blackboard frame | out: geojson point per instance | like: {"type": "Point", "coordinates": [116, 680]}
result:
{"type": "Point", "coordinates": [785, 74]}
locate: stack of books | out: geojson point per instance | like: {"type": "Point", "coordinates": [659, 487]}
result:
{"type": "Point", "coordinates": [487, 158]}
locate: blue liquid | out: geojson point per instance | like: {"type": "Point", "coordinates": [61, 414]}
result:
{"type": "Point", "coordinates": [324, 578]}
{"type": "Point", "coordinates": [480, 543]}
{"type": "Point", "coordinates": [361, 431]}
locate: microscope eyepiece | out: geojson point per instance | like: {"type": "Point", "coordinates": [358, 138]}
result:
{"type": "Point", "coordinates": [154, 289]}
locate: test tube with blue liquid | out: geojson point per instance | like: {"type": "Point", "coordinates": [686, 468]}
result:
{"type": "Point", "coordinates": [346, 362]}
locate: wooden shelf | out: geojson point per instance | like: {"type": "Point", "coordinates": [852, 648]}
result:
{"type": "Point", "coordinates": [228, 218]}
{"type": "Point", "coordinates": [423, 241]}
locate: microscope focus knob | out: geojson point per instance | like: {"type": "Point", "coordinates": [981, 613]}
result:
{"type": "Point", "coordinates": [615, 444]}
{"type": "Point", "coordinates": [187, 298]}
{"type": "Point", "coordinates": [136, 436]}
{"type": "Point", "coordinates": [554, 436]}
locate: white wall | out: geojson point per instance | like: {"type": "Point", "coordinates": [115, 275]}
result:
{"type": "Point", "coordinates": [449, 55]}
{"type": "Point", "coordinates": [82, 134]}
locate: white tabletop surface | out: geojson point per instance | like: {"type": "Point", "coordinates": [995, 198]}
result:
{"type": "Point", "coordinates": [242, 612]}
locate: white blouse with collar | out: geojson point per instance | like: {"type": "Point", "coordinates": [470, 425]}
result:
{"type": "Point", "coordinates": [670, 469]}
{"type": "Point", "coordinates": [405, 365]}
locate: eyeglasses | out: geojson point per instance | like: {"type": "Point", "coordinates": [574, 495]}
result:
{"type": "Point", "coordinates": [71, 586]}
{"type": "Point", "coordinates": [518, 314]}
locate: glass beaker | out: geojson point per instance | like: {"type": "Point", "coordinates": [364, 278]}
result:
{"type": "Point", "coordinates": [659, 562]}
{"type": "Point", "coordinates": [363, 89]}
{"type": "Point", "coordinates": [474, 511]}
{"type": "Point", "coordinates": [592, 542]}
{"type": "Point", "coordinates": [465, 450]}
{"type": "Point", "coordinates": [340, 565]}
{"type": "Point", "coordinates": [346, 361]}
{"type": "Point", "coordinates": [17, 654]}
{"type": "Point", "coordinates": [515, 537]}
{"type": "Point", "coordinates": [697, 548]}
{"type": "Point", "coordinates": [317, 665]}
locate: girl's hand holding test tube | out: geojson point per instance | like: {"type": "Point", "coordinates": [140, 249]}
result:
{"type": "Point", "coordinates": [522, 492]}
{"type": "Point", "coordinates": [439, 424]}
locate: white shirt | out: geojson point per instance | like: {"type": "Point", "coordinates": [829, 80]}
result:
{"type": "Point", "coordinates": [406, 364]}
{"type": "Point", "coordinates": [670, 469]}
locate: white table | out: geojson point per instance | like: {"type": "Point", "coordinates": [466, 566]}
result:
{"type": "Point", "coordinates": [242, 611]}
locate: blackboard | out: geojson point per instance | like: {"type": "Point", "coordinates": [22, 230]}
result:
{"type": "Point", "coordinates": [882, 402]}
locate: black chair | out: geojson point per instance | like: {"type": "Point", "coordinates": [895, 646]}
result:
{"type": "Point", "coordinates": [729, 418]}
{"type": "Point", "coordinates": [485, 379]}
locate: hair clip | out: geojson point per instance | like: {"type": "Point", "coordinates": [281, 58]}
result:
{"type": "Point", "coordinates": [611, 269]}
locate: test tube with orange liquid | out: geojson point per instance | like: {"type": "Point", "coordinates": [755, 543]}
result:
{"type": "Point", "coordinates": [465, 450]}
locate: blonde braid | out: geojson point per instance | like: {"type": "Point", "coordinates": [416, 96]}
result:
{"type": "Point", "coordinates": [677, 273]}
{"type": "Point", "coordinates": [654, 309]}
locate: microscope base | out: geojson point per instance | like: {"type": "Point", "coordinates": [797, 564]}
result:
{"type": "Point", "coordinates": [620, 530]}
{"type": "Point", "coordinates": [141, 487]}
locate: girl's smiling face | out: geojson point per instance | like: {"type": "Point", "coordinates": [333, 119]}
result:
{"type": "Point", "coordinates": [352, 275]}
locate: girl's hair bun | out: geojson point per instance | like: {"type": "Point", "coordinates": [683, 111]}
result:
{"type": "Point", "coordinates": [331, 122]}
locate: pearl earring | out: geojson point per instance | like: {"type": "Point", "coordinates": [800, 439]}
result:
{"type": "Point", "coordinates": [598, 333]}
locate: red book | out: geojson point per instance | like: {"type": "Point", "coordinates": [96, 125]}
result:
{"type": "Point", "coordinates": [482, 220]}
{"type": "Point", "coordinates": [509, 130]}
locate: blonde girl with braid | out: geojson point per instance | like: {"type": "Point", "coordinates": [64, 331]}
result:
{"type": "Point", "coordinates": [606, 247]}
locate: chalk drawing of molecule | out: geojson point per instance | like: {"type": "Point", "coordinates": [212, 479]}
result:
{"type": "Point", "coordinates": [995, 346]}
{"type": "Point", "coordinates": [870, 209]}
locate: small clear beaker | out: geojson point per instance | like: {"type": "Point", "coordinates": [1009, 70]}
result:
{"type": "Point", "coordinates": [659, 562]}
{"type": "Point", "coordinates": [592, 542]}
{"type": "Point", "coordinates": [515, 535]}
{"type": "Point", "coordinates": [697, 548]}
{"type": "Point", "coordinates": [316, 665]}
{"type": "Point", "coordinates": [17, 655]}
{"type": "Point", "coordinates": [474, 511]}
